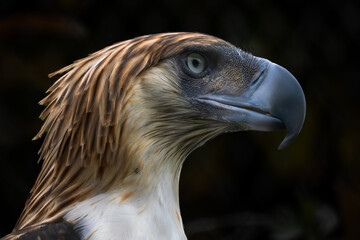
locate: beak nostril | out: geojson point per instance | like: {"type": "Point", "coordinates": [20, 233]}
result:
{"type": "Point", "coordinates": [257, 79]}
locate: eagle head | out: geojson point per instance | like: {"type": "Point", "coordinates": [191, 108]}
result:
{"type": "Point", "coordinates": [120, 122]}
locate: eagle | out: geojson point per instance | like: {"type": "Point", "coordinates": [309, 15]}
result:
{"type": "Point", "coordinates": [120, 123]}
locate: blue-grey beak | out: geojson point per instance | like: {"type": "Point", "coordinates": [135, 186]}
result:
{"type": "Point", "coordinates": [274, 101]}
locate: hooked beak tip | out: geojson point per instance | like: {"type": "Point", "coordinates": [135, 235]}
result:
{"type": "Point", "coordinates": [281, 95]}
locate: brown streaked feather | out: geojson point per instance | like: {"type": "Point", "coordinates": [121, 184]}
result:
{"type": "Point", "coordinates": [85, 121]}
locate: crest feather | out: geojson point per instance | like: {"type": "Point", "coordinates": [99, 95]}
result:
{"type": "Point", "coordinates": [90, 94]}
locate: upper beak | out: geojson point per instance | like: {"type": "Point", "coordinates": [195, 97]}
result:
{"type": "Point", "coordinates": [274, 100]}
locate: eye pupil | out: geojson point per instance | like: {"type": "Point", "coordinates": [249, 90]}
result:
{"type": "Point", "coordinates": [196, 63]}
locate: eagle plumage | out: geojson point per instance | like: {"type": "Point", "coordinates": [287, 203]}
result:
{"type": "Point", "coordinates": [120, 122]}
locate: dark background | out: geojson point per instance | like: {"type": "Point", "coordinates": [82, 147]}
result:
{"type": "Point", "coordinates": [238, 186]}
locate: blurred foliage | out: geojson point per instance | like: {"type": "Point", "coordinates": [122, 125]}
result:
{"type": "Point", "coordinates": [238, 186]}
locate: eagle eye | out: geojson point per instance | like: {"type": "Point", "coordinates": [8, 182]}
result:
{"type": "Point", "coordinates": [195, 62]}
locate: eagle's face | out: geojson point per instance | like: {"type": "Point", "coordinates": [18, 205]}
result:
{"type": "Point", "coordinates": [219, 88]}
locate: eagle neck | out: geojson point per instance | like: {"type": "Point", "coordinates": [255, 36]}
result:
{"type": "Point", "coordinates": [144, 206]}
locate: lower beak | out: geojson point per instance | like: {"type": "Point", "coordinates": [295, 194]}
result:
{"type": "Point", "coordinates": [274, 101]}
